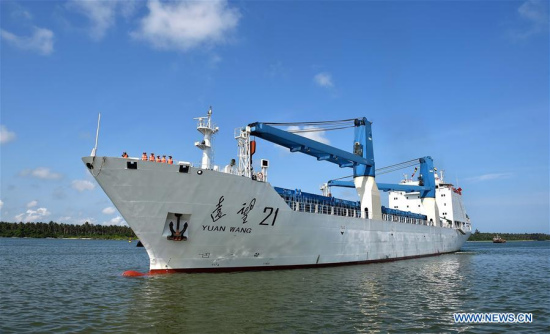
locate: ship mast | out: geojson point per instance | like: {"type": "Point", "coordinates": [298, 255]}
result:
{"type": "Point", "coordinates": [242, 135]}
{"type": "Point", "coordinates": [208, 130]}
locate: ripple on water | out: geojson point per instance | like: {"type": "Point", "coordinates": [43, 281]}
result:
{"type": "Point", "coordinates": [75, 285]}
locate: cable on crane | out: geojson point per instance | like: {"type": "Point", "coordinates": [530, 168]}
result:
{"type": "Point", "coordinates": [312, 122]}
{"type": "Point", "coordinates": [319, 129]}
{"type": "Point", "coordinates": [390, 168]}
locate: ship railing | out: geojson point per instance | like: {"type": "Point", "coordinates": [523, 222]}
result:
{"type": "Point", "coordinates": [216, 168]}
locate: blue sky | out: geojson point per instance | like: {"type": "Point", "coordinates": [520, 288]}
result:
{"type": "Point", "coordinates": [466, 82]}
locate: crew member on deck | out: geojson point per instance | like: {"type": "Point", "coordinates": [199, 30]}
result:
{"type": "Point", "coordinates": [158, 158]}
{"type": "Point", "coordinates": [144, 156]}
{"type": "Point", "coordinates": [124, 155]}
{"type": "Point", "coordinates": [152, 157]}
{"type": "Point", "coordinates": [170, 161]}
{"type": "Point", "coordinates": [163, 160]}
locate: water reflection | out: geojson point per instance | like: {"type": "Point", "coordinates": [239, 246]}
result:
{"type": "Point", "coordinates": [72, 286]}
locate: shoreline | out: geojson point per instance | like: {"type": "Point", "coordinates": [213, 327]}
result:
{"type": "Point", "coordinates": [72, 238]}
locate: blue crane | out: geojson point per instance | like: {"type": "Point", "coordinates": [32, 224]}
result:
{"type": "Point", "coordinates": [361, 160]}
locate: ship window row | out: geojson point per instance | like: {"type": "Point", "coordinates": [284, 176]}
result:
{"type": "Point", "coordinates": [402, 219]}
{"type": "Point", "coordinates": [338, 210]}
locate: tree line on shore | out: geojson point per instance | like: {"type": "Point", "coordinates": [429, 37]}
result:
{"type": "Point", "coordinates": [56, 230]}
{"type": "Point", "coordinates": [480, 236]}
{"type": "Point", "coordinates": [87, 230]}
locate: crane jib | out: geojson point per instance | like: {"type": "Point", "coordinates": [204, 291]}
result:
{"type": "Point", "coordinates": [323, 152]}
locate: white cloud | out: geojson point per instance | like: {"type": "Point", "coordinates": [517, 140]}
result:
{"type": "Point", "coordinates": [316, 135]}
{"type": "Point", "coordinates": [41, 173]}
{"type": "Point", "coordinates": [32, 215]}
{"type": "Point", "coordinates": [109, 210]}
{"type": "Point", "coordinates": [83, 185]}
{"type": "Point", "coordinates": [323, 79]}
{"type": "Point", "coordinates": [187, 25]}
{"type": "Point", "coordinates": [1, 204]}
{"type": "Point", "coordinates": [32, 204]}
{"type": "Point", "coordinates": [20, 12]}
{"type": "Point", "coordinates": [118, 220]}
{"type": "Point", "coordinates": [40, 41]}
{"type": "Point", "coordinates": [5, 135]}
{"type": "Point", "coordinates": [535, 13]}
{"type": "Point", "coordinates": [489, 177]}
{"type": "Point", "coordinates": [102, 14]}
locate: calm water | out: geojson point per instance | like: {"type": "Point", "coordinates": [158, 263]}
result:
{"type": "Point", "coordinates": [51, 285]}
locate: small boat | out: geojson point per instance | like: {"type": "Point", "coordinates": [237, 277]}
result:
{"type": "Point", "coordinates": [498, 240]}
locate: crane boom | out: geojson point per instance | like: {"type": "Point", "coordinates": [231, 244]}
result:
{"type": "Point", "coordinates": [426, 187]}
{"type": "Point", "coordinates": [362, 159]}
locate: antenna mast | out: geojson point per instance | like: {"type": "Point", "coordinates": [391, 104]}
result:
{"type": "Point", "coordinates": [208, 129]}
{"type": "Point", "coordinates": [94, 150]}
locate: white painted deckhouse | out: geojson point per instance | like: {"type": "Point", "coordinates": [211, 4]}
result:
{"type": "Point", "coordinates": [205, 218]}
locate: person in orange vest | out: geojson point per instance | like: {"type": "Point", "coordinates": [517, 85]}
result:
{"type": "Point", "coordinates": [163, 160]}
{"type": "Point", "coordinates": [152, 157]}
{"type": "Point", "coordinates": [158, 158]}
{"type": "Point", "coordinates": [124, 155]}
{"type": "Point", "coordinates": [144, 156]}
{"type": "Point", "coordinates": [170, 161]}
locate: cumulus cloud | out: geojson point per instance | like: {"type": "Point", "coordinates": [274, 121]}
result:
{"type": "Point", "coordinates": [102, 14]}
{"type": "Point", "coordinates": [41, 40]}
{"type": "Point", "coordinates": [41, 173]}
{"type": "Point", "coordinates": [20, 12]}
{"type": "Point", "coordinates": [118, 220]}
{"type": "Point", "coordinates": [535, 14]}
{"type": "Point", "coordinates": [315, 134]}
{"type": "Point", "coordinates": [33, 215]}
{"type": "Point", "coordinates": [489, 177]}
{"type": "Point", "coordinates": [82, 185]}
{"type": "Point", "coordinates": [32, 204]}
{"type": "Point", "coordinates": [5, 135]}
{"type": "Point", "coordinates": [323, 79]}
{"type": "Point", "coordinates": [186, 25]}
{"type": "Point", "coordinates": [109, 210]}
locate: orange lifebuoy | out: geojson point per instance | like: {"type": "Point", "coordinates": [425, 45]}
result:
{"type": "Point", "coordinates": [252, 147]}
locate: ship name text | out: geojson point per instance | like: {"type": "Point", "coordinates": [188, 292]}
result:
{"type": "Point", "coordinates": [232, 229]}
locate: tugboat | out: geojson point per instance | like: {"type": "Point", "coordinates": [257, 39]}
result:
{"type": "Point", "coordinates": [498, 240]}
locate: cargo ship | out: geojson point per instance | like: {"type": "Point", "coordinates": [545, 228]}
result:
{"type": "Point", "coordinates": [208, 218]}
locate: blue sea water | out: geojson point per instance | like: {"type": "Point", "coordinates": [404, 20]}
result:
{"type": "Point", "coordinates": [50, 285]}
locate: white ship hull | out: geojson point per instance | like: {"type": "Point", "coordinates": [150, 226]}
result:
{"type": "Point", "coordinates": [235, 223]}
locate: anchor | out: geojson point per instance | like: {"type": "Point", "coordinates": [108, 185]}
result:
{"type": "Point", "coordinates": [177, 234]}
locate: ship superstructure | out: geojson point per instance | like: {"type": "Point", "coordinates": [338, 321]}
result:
{"type": "Point", "coordinates": [448, 199]}
{"type": "Point", "coordinates": [209, 218]}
